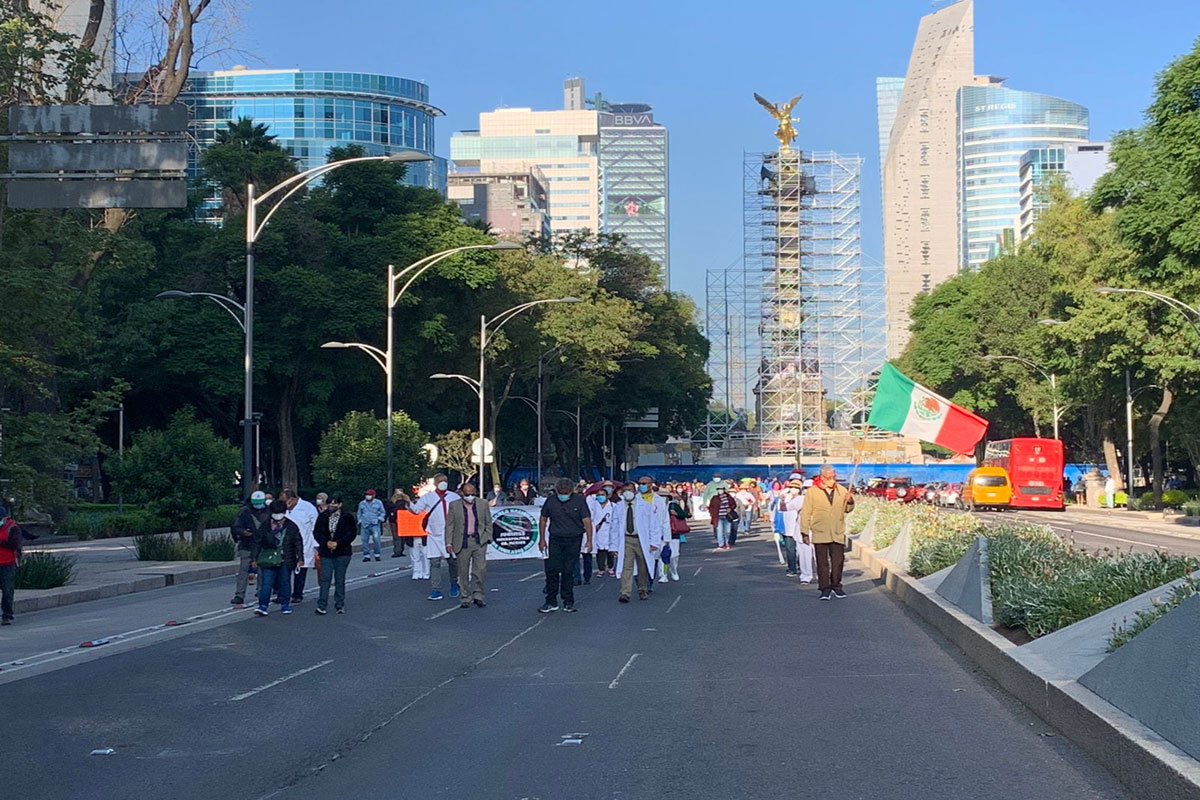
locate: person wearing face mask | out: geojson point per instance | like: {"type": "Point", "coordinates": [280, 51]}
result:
{"type": "Point", "coordinates": [278, 548]}
{"type": "Point", "coordinates": [800, 555]}
{"type": "Point", "coordinates": [371, 514]}
{"type": "Point", "coordinates": [335, 532]}
{"type": "Point", "coordinates": [524, 494]}
{"type": "Point", "coordinates": [249, 518]}
{"type": "Point", "coordinates": [645, 523]}
{"type": "Point", "coordinates": [304, 514]}
{"type": "Point", "coordinates": [433, 506]}
{"type": "Point", "coordinates": [569, 522]}
{"type": "Point", "coordinates": [823, 524]}
{"type": "Point", "coordinates": [606, 541]}
{"type": "Point", "coordinates": [468, 534]}
{"type": "Point", "coordinates": [398, 502]}
{"type": "Point", "coordinates": [723, 510]}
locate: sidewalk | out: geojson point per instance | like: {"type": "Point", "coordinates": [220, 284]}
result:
{"type": "Point", "coordinates": [109, 567]}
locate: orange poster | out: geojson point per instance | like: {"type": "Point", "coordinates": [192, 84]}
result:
{"type": "Point", "coordinates": [409, 524]}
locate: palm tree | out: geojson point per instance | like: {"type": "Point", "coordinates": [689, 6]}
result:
{"type": "Point", "coordinates": [247, 135]}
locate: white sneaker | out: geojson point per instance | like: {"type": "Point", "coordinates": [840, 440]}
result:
{"type": "Point", "coordinates": [674, 574]}
{"type": "Point", "coordinates": [663, 579]}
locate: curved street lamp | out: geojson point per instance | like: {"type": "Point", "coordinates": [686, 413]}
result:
{"type": "Point", "coordinates": [1058, 411]}
{"type": "Point", "coordinates": [384, 356]}
{"type": "Point", "coordinates": [494, 325]}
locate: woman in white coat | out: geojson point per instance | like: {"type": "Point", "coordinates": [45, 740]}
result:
{"type": "Point", "coordinates": [644, 523]}
{"type": "Point", "coordinates": [800, 556]}
{"type": "Point", "coordinates": [604, 541]}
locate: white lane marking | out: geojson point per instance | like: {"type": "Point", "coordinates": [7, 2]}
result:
{"type": "Point", "coordinates": [531, 577]}
{"type": "Point", "coordinates": [674, 603]}
{"type": "Point", "coordinates": [1119, 539]}
{"type": "Point", "coordinates": [150, 630]}
{"type": "Point", "coordinates": [284, 679]}
{"type": "Point", "coordinates": [624, 669]}
{"type": "Point", "coordinates": [697, 572]}
{"type": "Point", "coordinates": [443, 613]}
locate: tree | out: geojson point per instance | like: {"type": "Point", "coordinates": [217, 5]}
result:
{"type": "Point", "coordinates": [353, 454]}
{"type": "Point", "coordinates": [244, 153]}
{"type": "Point", "coordinates": [454, 451]}
{"type": "Point", "coordinates": [182, 473]}
{"type": "Point", "coordinates": [1154, 192]}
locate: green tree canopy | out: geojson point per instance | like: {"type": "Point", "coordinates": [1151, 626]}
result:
{"type": "Point", "coordinates": [353, 454]}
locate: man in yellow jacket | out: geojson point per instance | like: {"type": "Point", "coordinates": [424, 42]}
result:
{"type": "Point", "coordinates": [823, 524]}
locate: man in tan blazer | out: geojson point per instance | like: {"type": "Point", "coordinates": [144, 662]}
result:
{"type": "Point", "coordinates": [468, 534]}
{"type": "Point", "coordinates": [823, 524]}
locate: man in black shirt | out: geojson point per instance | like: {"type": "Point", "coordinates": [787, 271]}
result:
{"type": "Point", "coordinates": [569, 519]}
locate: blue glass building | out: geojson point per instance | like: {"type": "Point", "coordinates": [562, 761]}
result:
{"type": "Point", "coordinates": [997, 126]}
{"type": "Point", "coordinates": [310, 112]}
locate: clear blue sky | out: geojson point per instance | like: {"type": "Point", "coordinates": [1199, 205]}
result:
{"type": "Point", "coordinates": [697, 63]}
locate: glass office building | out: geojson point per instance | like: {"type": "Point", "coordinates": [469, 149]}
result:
{"type": "Point", "coordinates": [997, 126]}
{"type": "Point", "coordinates": [311, 112]}
{"type": "Point", "coordinates": [634, 179]}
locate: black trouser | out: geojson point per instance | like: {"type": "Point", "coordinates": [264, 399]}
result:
{"type": "Point", "coordinates": [8, 588]}
{"type": "Point", "coordinates": [606, 559]}
{"type": "Point", "coordinates": [830, 557]}
{"type": "Point", "coordinates": [298, 581]}
{"type": "Point", "coordinates": [560, 568]}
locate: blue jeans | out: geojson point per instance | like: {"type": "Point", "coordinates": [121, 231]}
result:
{"type": "Point", "coordinates": [333, 568]}
{"type": "Point", "coordinates": [722, 529]}
{"type": "Point", "coordinates": [369, 533]}
{"type": "Point", "coordinates": [268, 579]}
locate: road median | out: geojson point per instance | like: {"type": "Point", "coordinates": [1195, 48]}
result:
{"type": "Point", "coordinates": [1149, 765]}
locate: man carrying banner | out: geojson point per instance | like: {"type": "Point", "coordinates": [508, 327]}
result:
{"type": "Point", "coordinates": [823, 524]}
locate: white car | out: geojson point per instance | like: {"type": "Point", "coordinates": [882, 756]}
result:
{"type": "Point", "coordinates": [950, 495]}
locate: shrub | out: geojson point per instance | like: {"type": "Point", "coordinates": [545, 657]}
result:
{"type": "Point", "coordinates": [1174, 498]}
{"type": "Point", "coordinates": [1144, 619]}
{"type": "Point", "coordinates": [165, 547]}
{"type": "Point", "coordinates": [43, 570]}
{"type": "Point", "coordinates": [181, 474]}
{"type": "Point", "coordinates": [1192, 508]}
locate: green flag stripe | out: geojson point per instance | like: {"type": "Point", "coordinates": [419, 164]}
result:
{"type": "Point", "coordinates": [892, 399]}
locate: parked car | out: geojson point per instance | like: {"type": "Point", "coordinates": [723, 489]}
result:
{"type": "Point", "coordinates": [901, 490]}
{"type": "Point", "coordinates": [950, 495]}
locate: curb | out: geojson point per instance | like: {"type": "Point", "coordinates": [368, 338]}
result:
{"type": "Point", "coordinates": [1147, 764]}
{"type": "Point", "coordinates": [144, 583]}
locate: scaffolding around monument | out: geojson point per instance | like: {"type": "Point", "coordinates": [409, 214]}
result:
{"type": "Point", "coordinates": [730, 323]}
{"type": "Point", "coordinates": [803, 250]}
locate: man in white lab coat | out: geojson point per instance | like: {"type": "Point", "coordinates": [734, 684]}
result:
{"type": "Point", "coordinates": [644, 523]}
{"type": "Point", "coordinates": [304, 514]}
{"type": "Point", "coordinates": [432, 507]}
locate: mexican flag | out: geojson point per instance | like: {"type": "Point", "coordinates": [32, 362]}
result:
{"type": "Point", "coordinates": [906, 407]}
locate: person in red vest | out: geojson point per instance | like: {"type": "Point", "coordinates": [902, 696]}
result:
{"type": "Point", "coordinates": [11, 539]}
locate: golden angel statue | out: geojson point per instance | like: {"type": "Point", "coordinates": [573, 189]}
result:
{"type": "Point", "coordinates": [785, 133]}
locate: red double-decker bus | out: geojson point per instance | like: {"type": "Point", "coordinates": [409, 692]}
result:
{"type": "Point", "coordinates": [1035, 467]}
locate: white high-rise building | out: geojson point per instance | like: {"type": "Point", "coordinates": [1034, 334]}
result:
{"type": "Point", "coordinates": [73, 17]}
{"type": "Point", "coordinates": [920, 176]}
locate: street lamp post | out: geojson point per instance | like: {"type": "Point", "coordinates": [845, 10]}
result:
{"type": "Point", "coordinates": [494, 324]}
{"type": "Point", "coordinates": [270, 202]}
{"type": "Point", "coordinates": [383, 357]}
{"type": "Point", "coordinates": [1050, 376]}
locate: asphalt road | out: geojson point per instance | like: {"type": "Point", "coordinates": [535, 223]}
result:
{"type": "Point", "coordinates": [735, 682]}
{"type": "Point", "coordinates": [1097, 536]}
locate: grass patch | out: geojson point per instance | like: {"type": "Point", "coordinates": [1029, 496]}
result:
{"type": "Point", "coordinates": [99, 521]}
{"type": "Point", "coordinates": [1039, 583]}
{"type": "Point", "coordinates": [168, 547]}
{"type": "Point", "coordinates": [41, 570]}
